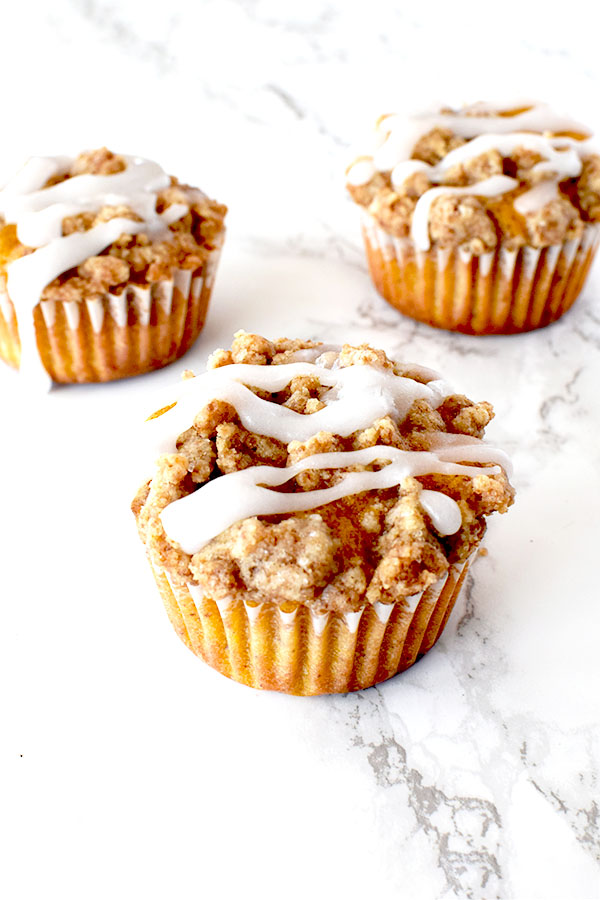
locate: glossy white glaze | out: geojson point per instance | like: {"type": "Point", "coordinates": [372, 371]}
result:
{"type": "Point", "coordinates": [356, 398]}
{"type": "Point", "coordinates": [537, 197]}
{"type": "Point", "coordinates": [403, 132]}
{"type": "Point", "coordinates": [564, 162]}
{"type": "Point", "coordinates": [195, 519]}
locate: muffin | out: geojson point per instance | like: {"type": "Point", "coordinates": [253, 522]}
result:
{"type": "Point", "coordinates": [311, 511]}
{"type": "Point", "coordinates": [106, 266]}
{"type": "Point", "coordinates": [482, 220]}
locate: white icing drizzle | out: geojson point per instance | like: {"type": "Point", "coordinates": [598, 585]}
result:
{"type": "Point", "coordinates": [361, 172]}
{"type": "Point", "coordinates": [443, 511]}
{"type": "Point", "coordinates": [324, 355]}
{"type": "Point", "coordinates": [565, 163]}
{"type": "Point", "coordinates": [38, 213]}
{"type": "Point", "coordinates": [406, 168]}
{"type": "Point", "coordinates": [403, 134]}
{"type": "Point", "coordinates": [537, 197]}
{"type": "Point", "coordinates": [357, 396]}
{"type": "Point", "coordinates": [35, 173]}
{"type": "Point", "coordinates": [458, 447]}
{"type": "Point", "coordinates": [490, 187]}
{"type": "Point", "coordinates": [194, 520]}
{"type": "Point", "coordinates": [540, 117]}
{"type": "Point", "coordinates": [392, 151]}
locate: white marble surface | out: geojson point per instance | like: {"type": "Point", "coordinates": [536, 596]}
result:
{"type": "Point", "coordinates": [129, 769]}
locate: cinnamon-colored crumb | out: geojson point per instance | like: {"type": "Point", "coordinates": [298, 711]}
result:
{"type": "Point", "coordinates": [520, 163]}
{"type": "Point", "coordinates": [436, 144]}
{"type": "Point", "coordinates": [477, 169]}
{"type": "Point", "coordinates": [463, 221]}
{"type": "Point", "coordinates": [393, 211]}
{"type": "Point", "coordinates": [98, 162]}
{"type": "Point", "coordinates": [364, 194]}
{"type": "Point", "coordinates": [414, 186]}
{"type": "Point", "coordinates": [588, 189]}
{"type": "Point", "coordinates": [557, 221]}
{"type": "Point", "coordinates": [374, 546]}
{"type": "Point", "coordinates": [462, 416]}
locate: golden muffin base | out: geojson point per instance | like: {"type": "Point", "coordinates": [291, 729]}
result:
{"type": "Point", "coordinates": [298, 652]}
{"type": "Point", "coordinates": [117, 335]}
{"type": "Point", "coordinates": [501, 292]}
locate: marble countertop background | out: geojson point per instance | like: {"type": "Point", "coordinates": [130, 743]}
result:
{"type": "Point", "coordinates": [128, 768]}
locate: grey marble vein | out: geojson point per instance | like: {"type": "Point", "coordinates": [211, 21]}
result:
{"type": "Point", "coordinates": [464, 830]}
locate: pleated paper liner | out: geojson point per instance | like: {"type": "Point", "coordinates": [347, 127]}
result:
{"type": "Point", "coordinates": [118, 335]}
{"type": "Point", "coordinates": [300, 652]}
{"type": "Point", "coordinates": [500, 292]}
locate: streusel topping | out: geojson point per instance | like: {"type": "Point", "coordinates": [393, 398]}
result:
{"type": "Point", "coordinates": [478, 177]}
{"type": "Point", "coordinates": [254, 497]}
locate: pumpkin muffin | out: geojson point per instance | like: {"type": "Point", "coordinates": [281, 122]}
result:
{"type": "Point", "coordinates": [482, 220]}
{"type": "Point", "coordinates": [106, 266]}
{"type": "Point", "coordinates": [310, 511]}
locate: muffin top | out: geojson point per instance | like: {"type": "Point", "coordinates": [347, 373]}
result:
{"type": "Point", "coordinates": [71, 229]}
{"type": "Point", "coordinates": [297, 472]}
{"type": "Point", "coordinates": [479, 176]}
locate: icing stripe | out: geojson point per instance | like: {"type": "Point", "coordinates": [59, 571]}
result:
{"type": "Point", "coordinates": [565, 162]}
{"type": "Point", "coordinates": [536, 198]}
{"type": "Point", "coordinates": [193, 520]}
{"type": "Point", "coordinates": [403, 134]}
{"type": "Point", "coordinates": [358, 396]}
